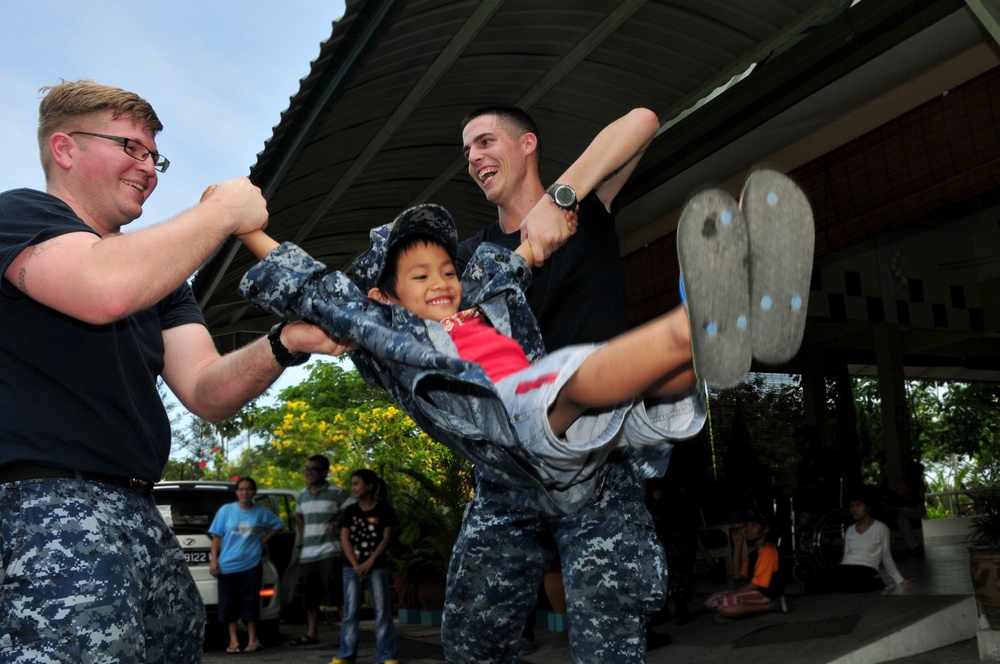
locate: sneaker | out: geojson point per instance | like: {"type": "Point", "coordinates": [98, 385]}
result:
{"type": "Point", "coordinates": [340, 660]}
{"type": "Point", "coordinates": [391, 661]}
{"type": "Point", "coordinates": [780, 605]}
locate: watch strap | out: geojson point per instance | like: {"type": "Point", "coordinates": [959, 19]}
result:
{"type": "Point", "coordinates": [284, 357]}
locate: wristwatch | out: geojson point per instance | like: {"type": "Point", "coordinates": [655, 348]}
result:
{"type": "Point", "coordinates": [563, 195]}
{"type": "Point", "coordinates": [285, 357]}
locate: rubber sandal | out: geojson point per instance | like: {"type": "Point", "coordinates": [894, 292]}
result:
{"type": "Point", "coordinates": [782, 243]}
{"type": "Point", "coordinates": [254, 647]}
{"type": "Point", "coordinates": [304, 640]}
{"type": "Point", "coordinates": [712, 248]}
{"type": "Point", "coordinates": [233, 650]}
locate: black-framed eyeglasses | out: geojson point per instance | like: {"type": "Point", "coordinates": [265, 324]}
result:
{"type": "Point", "coordinates": [133, 148]}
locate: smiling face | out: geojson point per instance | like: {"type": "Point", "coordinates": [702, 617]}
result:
{"type": "Point", "coordinates": [104, 185]}
{"type": "Point", "coordinates": [497, 155]}
{"type": "Point", "coordinates": [358, 487]}
{"type": "Point", "coordinates": [426, 282]}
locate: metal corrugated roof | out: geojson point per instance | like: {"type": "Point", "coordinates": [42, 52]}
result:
{"type": "Point", "coordinates": [374, 128]}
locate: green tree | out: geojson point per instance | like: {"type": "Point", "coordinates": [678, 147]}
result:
{"type": "Point", "coordinates": [970, 428]}
{"type": "Point", "coordinates": [752, 425]}
{"type": "Point", "coordinates": [335, 413]}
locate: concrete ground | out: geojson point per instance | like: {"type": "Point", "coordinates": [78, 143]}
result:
{"type": "Point", "coordinates": [932, 621]}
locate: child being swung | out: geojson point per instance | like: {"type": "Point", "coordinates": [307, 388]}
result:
{"type": "Point", "coordinates": [464, 357]}
{"type": "Point", "coordinates": [410, 264]}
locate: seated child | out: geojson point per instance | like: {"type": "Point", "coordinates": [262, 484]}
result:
{"type": "Point", "coordinates": [464, 357]}
{"type": "Point", "coordinates": [761, 590]}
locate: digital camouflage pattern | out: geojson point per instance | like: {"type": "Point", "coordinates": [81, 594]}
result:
{"type": "Point", "coordinates": [92, 574]}
{"type": "Point", "coordinates": [612, 564]}
{"type": "Point", "coordinates": [427, 219]}
{"type": "Point", "coordinates": [451, 399]}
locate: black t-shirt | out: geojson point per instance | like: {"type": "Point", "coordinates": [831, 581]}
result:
{"type": "Point", "coordinates": [75, 395]}
{"type": "Point", "coordinates": [578, 295]}
{"type": "Point", "coordinates": [367, 528]}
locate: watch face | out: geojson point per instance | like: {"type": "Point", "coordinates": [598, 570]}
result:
{"type": "Point", "coordinates": [564, 196]}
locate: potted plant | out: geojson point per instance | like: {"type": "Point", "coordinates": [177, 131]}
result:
{"type": "Point", "coordinates": [410, 556]}
{"type": "Point", "coordinates": [984, 556]}
{"type": "Point", "coordinates": [425, 544]}
{"type": "Point", "coordinates": [430, 519]}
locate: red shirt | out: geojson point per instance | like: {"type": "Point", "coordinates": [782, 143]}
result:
{"type": "Point", "coordinates": [478, 341]}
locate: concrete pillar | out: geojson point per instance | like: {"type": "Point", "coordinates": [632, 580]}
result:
{"type": "Point", "coordinates": [895, 412]}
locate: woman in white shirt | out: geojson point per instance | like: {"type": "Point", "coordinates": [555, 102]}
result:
{"type": "Point", "coordinates": [867, 544]}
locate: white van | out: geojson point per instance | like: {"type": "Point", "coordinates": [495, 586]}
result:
{"type": "Point", "coordinates": [188, 507]}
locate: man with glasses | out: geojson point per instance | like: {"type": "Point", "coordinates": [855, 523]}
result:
{"type": "Point", "coordinates": [90, 318]}
{"type": "Point", "coordinates": [317, 513]}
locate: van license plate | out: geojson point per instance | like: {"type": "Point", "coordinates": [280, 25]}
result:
{"type": "Point", "coordinates": [196, 557]}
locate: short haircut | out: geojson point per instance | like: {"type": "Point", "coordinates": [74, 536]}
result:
{"type": "Point", "coordinates": [66, 102]}
{"type": "Point", "coordinates": [761, 519]}
{"type": "Point", "coordinates": [512, 117]}
{"type": "Point", "coordinates": [248, 480]}
{"type": "Point", "coordinates": [322, 461]}
{"type": "Point", "coordinates": [863, 493]}
{"type": "Point", "coordinates": [390, 273]}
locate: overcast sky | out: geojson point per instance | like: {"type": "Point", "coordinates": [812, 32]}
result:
{"type": "Point", "coordinates": [218, 72]}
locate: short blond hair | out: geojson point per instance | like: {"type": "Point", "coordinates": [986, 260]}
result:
{"type": "Point", "coordinates": [70, 100]}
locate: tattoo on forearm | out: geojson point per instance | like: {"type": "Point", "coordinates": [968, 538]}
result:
{"type": "Point", "coordinates": [21, 283]}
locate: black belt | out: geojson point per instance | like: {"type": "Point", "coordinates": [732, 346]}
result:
{"type": "Point", "coordinates": [25, 470]}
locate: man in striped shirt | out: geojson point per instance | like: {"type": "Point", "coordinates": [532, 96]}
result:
{"type": "Point", "coordinates": [317, 513]}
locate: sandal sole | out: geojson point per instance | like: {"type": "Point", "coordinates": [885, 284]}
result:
{"type": "Point", "coordinates": [712, 248]}
{"type": "Point", "coordinates": [782, 243]}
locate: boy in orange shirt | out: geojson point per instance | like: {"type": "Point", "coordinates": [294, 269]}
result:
{"type": "Point", "coordinates": [761, 591]}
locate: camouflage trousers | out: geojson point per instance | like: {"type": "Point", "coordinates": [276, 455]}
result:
{"type": "Point", "coordinates": [91, 573]}
{"type": "Point", "coordinates": [612, 563]}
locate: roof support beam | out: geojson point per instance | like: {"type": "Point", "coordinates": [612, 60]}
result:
{"type": "Point", "coordinates": [479, 18]}
{"type": "Point", "coordinates": [586, 46]}
{"type": "Point", "coordinates": [838, 47]}
{"type": "Point", "coordinates": [988, 13]}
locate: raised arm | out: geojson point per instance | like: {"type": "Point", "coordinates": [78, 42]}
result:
{"type": "Point", "coordinates": [258, 242]}
{"type": "Point", "coordinates": [604, 167]}
{"type": "Point", "coordinates": [99, 279]}
{"type": "Point", "coordinates": [610, 159]}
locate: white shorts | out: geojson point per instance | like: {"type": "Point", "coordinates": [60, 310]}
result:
{"type": "Point", "coordinates": [530, 393]}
